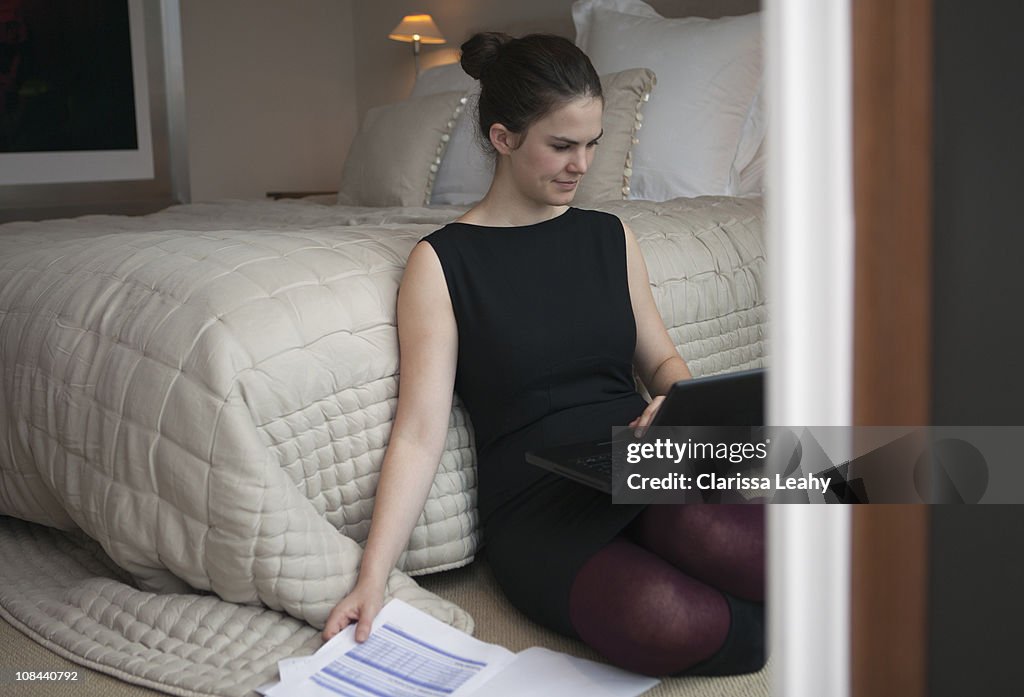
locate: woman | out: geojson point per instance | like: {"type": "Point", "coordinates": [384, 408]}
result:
{"type": "Point", "coordinates": [537, 313]}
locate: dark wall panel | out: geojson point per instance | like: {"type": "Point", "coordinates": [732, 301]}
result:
{"type": "Point", "coordinates": [977, 571]}
{"type": "Point", "coordinates": [978, 269]}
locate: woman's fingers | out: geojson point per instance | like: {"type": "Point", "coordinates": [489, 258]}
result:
{"type": "Point", "coordinates": [364, 626]}
{"type": "Point", "coordinates": [640, 424]}
{"type": "Point", "coordinates": [336, 621]}
{"type": "Point", "coordinates": [360, 606]}
{"type": "Point", "coordinates": [367, 614]}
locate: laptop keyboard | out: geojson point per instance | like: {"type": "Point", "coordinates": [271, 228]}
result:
{"type": "Point", "coordinates": [598, 464]}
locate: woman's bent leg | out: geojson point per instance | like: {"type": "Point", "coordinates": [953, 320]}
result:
{"type": "Point", "coordinates": [719, 544]}
{"type": "Point", "coordinates": [645, 615]}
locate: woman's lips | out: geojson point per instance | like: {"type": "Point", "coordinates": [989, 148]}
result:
{"type": "Point", "coordinates": [568, 185]}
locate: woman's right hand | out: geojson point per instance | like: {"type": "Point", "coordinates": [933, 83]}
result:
{"type": "Point", "coordinates": [362, 605]}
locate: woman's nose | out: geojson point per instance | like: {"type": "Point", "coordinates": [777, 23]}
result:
{"type": "Point", "coordinates": [579, 162]}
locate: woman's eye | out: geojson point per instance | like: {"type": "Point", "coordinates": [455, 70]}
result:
{"type": "Point", "coordinates": [590, 145]}
{"type": "Point", "coordinates": [560, 148]}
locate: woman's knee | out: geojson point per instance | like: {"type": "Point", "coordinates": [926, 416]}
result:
{"type": "Point", "coordinates": [643, 614]}
{"type": "Point", "coordinates": [720, 544]}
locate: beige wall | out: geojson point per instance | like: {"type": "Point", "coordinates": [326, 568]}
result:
{"type": "Point", "coordinates": [270, 94]}
{"type": "Point", "coordinates": [385, 70]}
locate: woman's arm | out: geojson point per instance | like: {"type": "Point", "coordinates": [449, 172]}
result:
{"type": "Point", "coordinates": [656, 359]}
{"type": "Point", "coordinates": [428, 345]}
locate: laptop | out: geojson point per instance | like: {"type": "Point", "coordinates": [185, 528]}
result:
{"type": "Point", "coordinates": [731, 399]}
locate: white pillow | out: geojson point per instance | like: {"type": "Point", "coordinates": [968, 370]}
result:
{"type": "Point", "coordinates": [449, 77]}
{"type": "Point", "coordinates": [465, 172]}
{"type": "Point", "coordinates": [581, 14]}
{"type": "Point", "coordinates": [747, 172]}
{"type": "Point", "coordinates": [709, 71]}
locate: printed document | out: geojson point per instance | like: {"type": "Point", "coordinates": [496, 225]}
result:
{"type": "Point", "coordinates": [411, 654]}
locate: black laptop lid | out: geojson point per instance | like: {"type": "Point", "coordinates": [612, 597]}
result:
{"type": "Point", "coordinates": [731, 399]}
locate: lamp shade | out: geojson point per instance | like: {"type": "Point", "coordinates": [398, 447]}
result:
{"type": "Point", "coordinates": [417, 28]}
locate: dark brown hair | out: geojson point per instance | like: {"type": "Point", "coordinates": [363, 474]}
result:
{"type": "Point", "coordinates": [523, 79]}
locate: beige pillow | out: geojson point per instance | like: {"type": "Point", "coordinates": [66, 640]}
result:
{"type": "Point", "coordinates": [624, 96]}
{"type": "Point", "coordinates": [396, 154]}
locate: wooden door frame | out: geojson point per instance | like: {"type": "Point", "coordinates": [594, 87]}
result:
{"type": "Point", "coordinates": [892, 116]}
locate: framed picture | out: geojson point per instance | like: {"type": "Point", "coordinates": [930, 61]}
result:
{"type": "Point", "coordinates": [74, 92]}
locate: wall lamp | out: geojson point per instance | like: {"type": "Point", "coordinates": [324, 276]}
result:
{"type": "Point", "coordinates": [419, 29]}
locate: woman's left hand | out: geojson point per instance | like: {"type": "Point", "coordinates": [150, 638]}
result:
{"type": "Point", "coordinates": [640, 423]}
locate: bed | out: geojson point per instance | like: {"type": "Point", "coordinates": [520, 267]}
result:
{"type": "Point", "coordinates": [195, 403]}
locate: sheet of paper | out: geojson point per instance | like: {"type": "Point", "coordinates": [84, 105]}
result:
{"type": "Point", "coordinates": [292, 668]}
{"type": "Point", "coordinates": [408, 654]}
{"type": "Point", "coordinates": [289, 669]}
{"type": "Point", "coordinates": [539, 672]}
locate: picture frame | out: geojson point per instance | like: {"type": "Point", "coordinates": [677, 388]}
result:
{"type": "Point", "coordinates": [98, 165]}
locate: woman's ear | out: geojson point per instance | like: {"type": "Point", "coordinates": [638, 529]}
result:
{"type": "Point", "coordinates": [503, 140]}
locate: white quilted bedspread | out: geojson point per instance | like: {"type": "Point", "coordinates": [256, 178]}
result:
{"type": "Point", "coordinates": [208, 391]}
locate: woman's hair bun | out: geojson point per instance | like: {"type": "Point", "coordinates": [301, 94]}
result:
{"type": "Point", "coordinates": [481, 50]}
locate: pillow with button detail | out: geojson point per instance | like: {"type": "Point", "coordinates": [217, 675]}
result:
{"type": "Point", "coordinates": [625, 95]}
{"type": "Point", "coordinates": [466, 169]}
{"type": "Point", "coordinates": [465, 172]}
{"type": "Point", "coordinates": [397, 152]}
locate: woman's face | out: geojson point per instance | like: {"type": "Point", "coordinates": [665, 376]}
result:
{"type": "Point", "coordinates": [556, 152]}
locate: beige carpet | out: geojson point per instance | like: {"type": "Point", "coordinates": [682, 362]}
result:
{"type": "Point", "coordinates": [472, 587]}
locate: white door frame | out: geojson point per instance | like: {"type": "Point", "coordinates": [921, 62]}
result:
{"type": "Point", "coordinates": [810, 245]}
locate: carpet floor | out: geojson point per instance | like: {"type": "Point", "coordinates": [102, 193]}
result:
{"type": "Point", "coordinates": [472, 587]}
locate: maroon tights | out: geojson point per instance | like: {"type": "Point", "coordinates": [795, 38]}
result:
{"type": "Point", "coordinates": [653, 600]}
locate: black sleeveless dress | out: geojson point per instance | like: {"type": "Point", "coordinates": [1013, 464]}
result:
{"type": "Point", "coordinates": [546, 342]}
